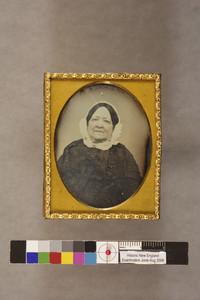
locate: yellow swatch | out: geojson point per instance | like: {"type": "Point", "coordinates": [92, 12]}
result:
{"type": "Point", "coordinates": [67, 258]}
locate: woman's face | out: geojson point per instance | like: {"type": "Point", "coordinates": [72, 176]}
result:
{"type": "Point", "coordinates": [100, 126]}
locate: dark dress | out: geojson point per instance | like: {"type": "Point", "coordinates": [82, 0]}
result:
{"type": "Point", "coordinates": [99, 178]}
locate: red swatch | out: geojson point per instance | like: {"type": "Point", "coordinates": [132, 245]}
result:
{"type": "Point", "coordinates": [55, 258]}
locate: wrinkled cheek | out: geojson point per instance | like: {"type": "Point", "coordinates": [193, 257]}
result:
{"type": "Point", "coordinates": [90, 131]}
{"type": "Point", "coordinates": [109, 134]}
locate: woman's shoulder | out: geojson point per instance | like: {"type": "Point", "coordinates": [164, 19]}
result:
{"type": "Point", "coordinates": [120, 146]}
{"type": "Point", "coordinates": [77, 143]}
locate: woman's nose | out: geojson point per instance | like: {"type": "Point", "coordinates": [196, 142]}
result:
{"type": "Point", "coordinates": [99, 123]}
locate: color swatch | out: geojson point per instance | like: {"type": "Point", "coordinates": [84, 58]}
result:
{"type": "Point", "coordinates": [53, 252]}
{"type": "Point", "coordinates": [97, 252]}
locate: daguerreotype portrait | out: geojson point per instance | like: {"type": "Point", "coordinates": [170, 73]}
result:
{"type": "Point", "coordinates": [97, 168]}
{"type": "Point", "coordinates": [102, 146]}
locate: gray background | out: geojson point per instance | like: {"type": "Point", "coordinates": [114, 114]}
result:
{"type": "Point", "coordinates": [98, 36]}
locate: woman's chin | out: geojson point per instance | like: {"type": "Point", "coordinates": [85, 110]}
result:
{"type": "Point", "coordinates": [98, 141]}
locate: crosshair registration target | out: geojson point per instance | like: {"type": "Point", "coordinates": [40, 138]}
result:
{"type": "Point", "coordinates": [107, 252]}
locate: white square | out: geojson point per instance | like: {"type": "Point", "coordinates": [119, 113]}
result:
{"type": "Point", "coordinates": [107, 252]}
{"type": "Point", "coordinates": [31, 246]}
{"type": "Point", "coordinates": [43, 246]}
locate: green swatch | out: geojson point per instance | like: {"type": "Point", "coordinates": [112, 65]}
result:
{"type": "Point", "coordinates": [43, 257]}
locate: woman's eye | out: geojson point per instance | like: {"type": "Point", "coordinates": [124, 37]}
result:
{"type": "Point", "coordinates": [107, 122]}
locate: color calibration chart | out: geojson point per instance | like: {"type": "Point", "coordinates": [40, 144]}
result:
{"type": "Point", "coordinates": [98, 252]}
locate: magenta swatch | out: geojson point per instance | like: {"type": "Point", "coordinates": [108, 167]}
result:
{"type": "Point", "coordinates": [79, 258]}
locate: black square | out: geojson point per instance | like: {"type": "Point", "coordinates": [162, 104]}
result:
{"type": "Point", "coordinates": [79, 246]}
{"type": "Point", "coordinates": [177, 253]}
{"type": "Point", "coordinates": [18, 252]}
{"type": "Point", "coordinates": [90, 246]}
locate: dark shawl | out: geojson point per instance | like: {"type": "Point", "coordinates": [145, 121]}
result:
{"type": "Point", "coordinates": [99, 178]}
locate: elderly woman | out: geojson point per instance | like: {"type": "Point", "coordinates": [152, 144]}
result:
{"type": "Point", "coordinates": [96, 169]}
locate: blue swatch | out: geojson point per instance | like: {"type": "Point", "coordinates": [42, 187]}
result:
{"type": "Point", "coordinates": [32, 258]}
{"type": "Point", "coordinates": [90, 259]}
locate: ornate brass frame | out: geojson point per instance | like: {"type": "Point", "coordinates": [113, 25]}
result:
{"type": "Point", "coordinates": [149, 193]}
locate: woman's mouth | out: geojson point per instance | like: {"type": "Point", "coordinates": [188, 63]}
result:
{"type": "Point", "coordinates": [100, 131]}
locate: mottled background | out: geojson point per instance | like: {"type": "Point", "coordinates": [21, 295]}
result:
{"type": "Point", "coordinates": [99, 36]}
